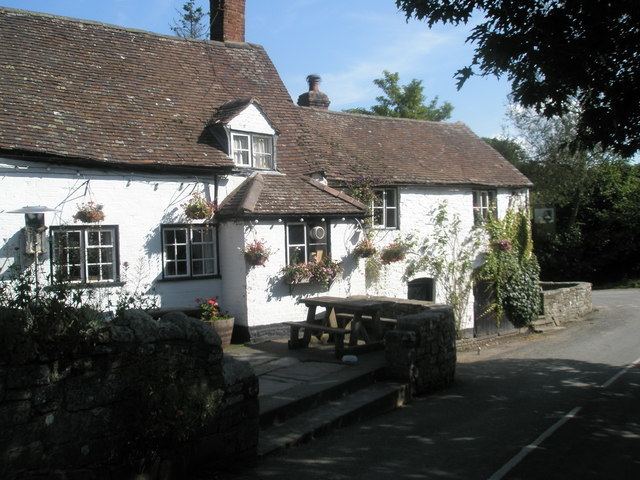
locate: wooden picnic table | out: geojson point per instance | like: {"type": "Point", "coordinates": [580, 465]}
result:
{"type": "Point", "coordinates": [360, 313]}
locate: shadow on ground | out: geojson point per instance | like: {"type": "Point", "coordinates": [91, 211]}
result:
{"type": "Point", "coordinates": [495, 408]}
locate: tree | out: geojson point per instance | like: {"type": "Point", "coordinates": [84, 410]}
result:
{"type": "Point", "coordinates": [406, 101]}
{"type": "Point", "coordinates": [509, 149]}
{"type": "Point", "coordinates": [191, 22]}
{"type": "Point", "coordinates": [556, 51]}
{"type": "Point", "coordinates": [596, 195]}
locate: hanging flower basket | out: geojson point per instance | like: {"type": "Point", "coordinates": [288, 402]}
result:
{"type": "Point", "coordinates": [365, 249]}
{"type": "Point", "coordinates": [89, 212]}
{"type": "Point", "coordinates": [257, 253]}
{"type": "Point", "coordinates": [394, 252]}
{"type": "Point", "coordinates": [199, 208]}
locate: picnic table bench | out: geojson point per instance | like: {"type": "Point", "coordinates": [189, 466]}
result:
{"type": "Point", "coordinates": [358, 317]}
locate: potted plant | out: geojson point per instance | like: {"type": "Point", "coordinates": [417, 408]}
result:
{"type": "Point", "coordinates": [199, 208]}
{"type": "Point", "coordinates": [89, 212]}
{"type": "Point", "coordinates": [296, 274]}
{"type": "Point", "coordinates": [257, 253]}
{"type": "Point", "coordinates": [211, 314]}
{"type": "Point", "coordinates": [365, 248]}
{"type": "Point", "coordinates": [394, 252]}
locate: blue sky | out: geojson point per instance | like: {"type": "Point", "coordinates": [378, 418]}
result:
{"type": "Point", "coordinates": [349, 43]}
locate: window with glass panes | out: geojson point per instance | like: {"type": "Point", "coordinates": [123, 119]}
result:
{"type": "Point", "coordinates": [85, 254]}
{"type": "Point", "coordinates": [253, 150]}
{"type": "Point", "coordinates": [189, 251]}
{"type": "Point", "coordinates": [385, 208]}
{"type": "Point", "coordinates": [304, 244]}
{"type": "Point", "coordinates": [484, 205]}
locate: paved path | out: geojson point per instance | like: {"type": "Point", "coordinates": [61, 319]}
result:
{"type": "Point", "coordinates": [505, 399]}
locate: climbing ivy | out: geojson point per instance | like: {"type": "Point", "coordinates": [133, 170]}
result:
{"type": "Point", "coordinates": [511, 268]}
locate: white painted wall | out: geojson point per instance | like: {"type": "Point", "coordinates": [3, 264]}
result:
{"type": "Point", "coordinates": [140, 203]}
{"type": "Point", "coordinates": [416, 207]}
{"type": "Point", "coordinates": [137, 203]}
{"type": "Point", "coordinates": [251, 120]}
{"type": "Point", "coordinates": [270, 300]}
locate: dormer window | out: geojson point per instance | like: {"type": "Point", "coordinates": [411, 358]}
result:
{"type": "Point", "coordinates": [253, 150]}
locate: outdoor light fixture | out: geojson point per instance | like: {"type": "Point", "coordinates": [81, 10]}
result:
{"type": "Point", "coordinates": [34, 228]}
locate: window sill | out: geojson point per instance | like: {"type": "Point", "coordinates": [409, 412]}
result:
{"type": "Point", "coordinates": [87, 286]}
{"type": "Point", "coordinates": [188, 279]}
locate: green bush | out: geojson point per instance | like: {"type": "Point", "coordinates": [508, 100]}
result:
{"type": "Point", "coordinates": [512, 269]}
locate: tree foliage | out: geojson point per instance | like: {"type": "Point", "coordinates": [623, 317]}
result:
{"type": "Point", "coordinates": [596, 195]}
{"type": "Point", "coordinates": [407, 101]}
{"type": "Point", "coordinates": [553, 52]}
{"type": "Point", "coordinates": [509, 149]}
{"type": "Point", "coordinates": [191, 22]}
{"type": "Point", "coordinates": [511, 269]}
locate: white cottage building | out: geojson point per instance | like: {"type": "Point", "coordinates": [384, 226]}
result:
{"type": "Point", "coordinates": [137, 122]}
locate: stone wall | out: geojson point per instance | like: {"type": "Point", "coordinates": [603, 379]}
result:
{"type": "Point", "coordinates": [421, 350]}
{"type": "Point", "coordinates": [87, 414]}
{"type": "Point", "coordinates": [563, 302]}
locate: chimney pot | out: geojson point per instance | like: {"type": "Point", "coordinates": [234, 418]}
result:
{"type": "Point", "coordinates": [227, 20]}
{"type": "Point", "coordinates": [314, 97]}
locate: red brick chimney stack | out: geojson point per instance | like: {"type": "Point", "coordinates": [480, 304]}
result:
{"type": "Point", "coordinates": [227, 20]}
{"type": "Point", "coordinates": [314, 97]}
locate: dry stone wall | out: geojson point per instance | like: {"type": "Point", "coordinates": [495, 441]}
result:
{"type": "Point", "coordinates": [563, 302]}
{"type": "Point", "coordinates": [89, 415]}
{"type": "Point", "coordinates": [421, 350]}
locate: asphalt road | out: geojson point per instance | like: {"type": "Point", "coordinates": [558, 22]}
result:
{"type": "Point", "coordinates": [563, 404]}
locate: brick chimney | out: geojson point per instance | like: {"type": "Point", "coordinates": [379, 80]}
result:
{"type": "Point", "coordinates": [314, 97]}
{"type": "Point", "coordinates": [227, 20]}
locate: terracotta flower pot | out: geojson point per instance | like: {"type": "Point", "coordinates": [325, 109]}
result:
{"type": "Point", "coordinates": [224, 329]}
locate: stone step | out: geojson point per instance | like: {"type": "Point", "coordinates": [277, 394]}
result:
{"type": "Point", "coordinates": [280, 406]}
{"type": "Point", "coordinates": [364, 403]}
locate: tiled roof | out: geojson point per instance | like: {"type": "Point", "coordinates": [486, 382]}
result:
{"type": "Point", "coordinates": [85, 90]}
{"type": "Point", "coordinates": [272, 194]}
{"type": "Point", "coordinates": [401, 151]}
{"type": "Point", "coordinates": [81, 91]}
{"type": "Point", "coordinates": [228, 111]}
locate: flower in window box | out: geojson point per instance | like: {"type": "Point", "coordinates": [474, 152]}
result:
{"type": "Point", "coordinates": [257, 253]}
{"type": "Point", "coordinates": [325, 271]}
{"type": "Point", "coordinates": [297, 273]}
{"type": "Point", "coordinates": [199, 208]}
{"type": "Point", "coordinates": [365, 248]}
{"type": "Point", "coordinates": [394, 252]}
{"type": "Point", "coordinates": [89, 212]}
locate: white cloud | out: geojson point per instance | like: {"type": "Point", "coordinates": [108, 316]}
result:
{"type": "Point", "coordinates": [354, 84]}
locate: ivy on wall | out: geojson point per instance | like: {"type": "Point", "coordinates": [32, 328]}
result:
{"type": "Point", "coordinates": [511, 268]}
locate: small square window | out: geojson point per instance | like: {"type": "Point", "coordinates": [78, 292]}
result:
{"type": "Point", "coordinates": [484, 206]}
{"type": "Point", "coordinates": [84, 254]}
{"type": "Point", "coordinates": [253, 150]}
{"type": "Point", "coordinates": [189, 251]}
{"type": "Point", "coordinates": [307, 242]}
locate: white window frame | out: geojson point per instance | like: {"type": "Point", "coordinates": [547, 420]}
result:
{"type": "Point", "coordinates": [84, 247]}
{"type": "Point", "coordinates": [307, 241]}
{"type": "Point", "coordinates": [252, 154]}
{"type": "Point", "coordinates": [385, 209]}
{"type": "Point", "coordinates": [485, 203]}
{"type": "Point", "coordinates": [189, 243]}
